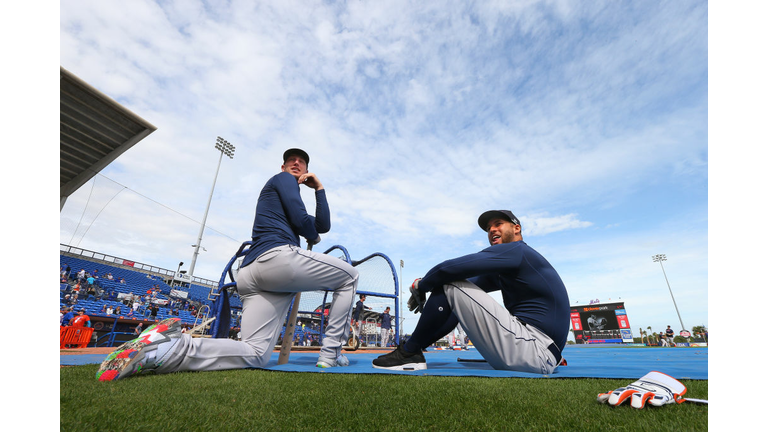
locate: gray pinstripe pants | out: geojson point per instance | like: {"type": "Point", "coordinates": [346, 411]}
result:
{"type": "Point", "coordinates": [499, 336]}
{"type": "Point", "coordinates": [266, 287]}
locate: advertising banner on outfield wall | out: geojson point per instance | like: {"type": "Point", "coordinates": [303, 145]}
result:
{"type": "Point", "coordinates": [601, 323]}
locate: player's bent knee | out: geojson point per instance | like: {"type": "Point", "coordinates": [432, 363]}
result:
{"type": "Point", "coordinates": [261, 355]}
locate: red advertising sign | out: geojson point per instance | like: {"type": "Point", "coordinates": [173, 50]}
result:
{"type": "Point", "coordinates": [575, 321]}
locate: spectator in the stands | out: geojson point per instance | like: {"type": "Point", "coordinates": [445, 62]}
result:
{"type": "Point", "coordinates": [110, 309]}
{"type": "Point", "coordinates": [109, 276]}
{"type": "Point", "coordinates": [65, 270]}
{"type": "Point", "coordinates": [67, 316]}
{"type": "Point", "coordinates": [81, 275]}
{"type": "Point", "coordinates": [117, 311]}
{"type": "Point", "coordinates": [122, 281]}
{"type": "Point", "coordinates": [112, 295]}
{"type": "Point", "coordinates": [71, 299]}
{"type": "Point", "coordinates": [81, 319]}
{"type": "Point", "coordinates": [91, 290]}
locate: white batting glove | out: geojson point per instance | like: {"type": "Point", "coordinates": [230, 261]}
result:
{"type": "Point", "coordinates": [655, 388]}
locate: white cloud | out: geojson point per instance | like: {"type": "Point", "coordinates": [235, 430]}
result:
{"type": "Point", "coordinates": [418, 118]}
{"type": "Point", "coordinates": [538, 224]}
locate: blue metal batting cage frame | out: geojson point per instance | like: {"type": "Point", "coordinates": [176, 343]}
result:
{"type": "Point", "coordinates": [221, 304]}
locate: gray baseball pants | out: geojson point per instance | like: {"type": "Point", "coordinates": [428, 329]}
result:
{"type": "Point", "coordinates": [384, 337]}
{"type": "Point", "coordinates": [266, 288]}
{"type": "Point", "coordinates": [462, 336]}
{"type": "Point", "coordinates": [503, 340]}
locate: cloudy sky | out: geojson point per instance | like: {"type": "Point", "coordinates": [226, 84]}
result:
{"type": "Point", "coordinates": [589, 120]}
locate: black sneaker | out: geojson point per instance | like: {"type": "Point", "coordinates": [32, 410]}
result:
{"type": "Point", "coordinates": [400, 360]}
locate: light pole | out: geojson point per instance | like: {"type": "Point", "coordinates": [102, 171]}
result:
{"type": "Point", "coordinates": [224, 147]}
{"type": "Point", "coordinates": [659, 258]}
{"type": "Point", "coordinates": [402, 313]}
{"type": "Point", "coordinates": [178, 269]}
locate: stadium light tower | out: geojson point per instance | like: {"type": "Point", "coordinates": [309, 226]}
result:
{"type": "Point", "coordinates": [659, 258]}
{"type": "Point", "coordinates": [400, 310]}
{"type": "Point", "coordinates": [228, 149]}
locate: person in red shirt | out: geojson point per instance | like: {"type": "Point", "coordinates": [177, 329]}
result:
{"type": "Point", "coordinates": [81, 320]}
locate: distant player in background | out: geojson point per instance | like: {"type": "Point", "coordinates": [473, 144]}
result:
{"type": "Point", "coordinates": [525, 334]}
{"type": "Point", "coordinates": [670, 336]}
{"type": "Point", "coordinates": [386, 327]}
{"type": "Point", "coordinates": [359, 306]}
{"type": "Point", "coordinates": [271, 273]}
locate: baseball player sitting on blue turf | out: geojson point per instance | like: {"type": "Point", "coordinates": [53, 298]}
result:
{"type": "Point", "coordinates": [274, 269]}
{"type": "Point", "coordinates": [525, 334]}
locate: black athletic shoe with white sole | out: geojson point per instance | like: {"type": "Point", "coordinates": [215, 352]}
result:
{"type": "Point", "coordinates": [400, 360]}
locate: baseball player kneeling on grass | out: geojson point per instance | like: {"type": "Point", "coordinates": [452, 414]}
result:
{"type": "Point", "coordinates": [274, 269]}
{"type": "Point", "coordinates": [525, 334]}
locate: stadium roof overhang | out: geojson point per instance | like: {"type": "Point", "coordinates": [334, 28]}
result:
{"type": "Point", "coordinates": [94, 130]}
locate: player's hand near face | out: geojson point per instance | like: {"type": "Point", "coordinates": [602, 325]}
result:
{"type": "Point", "coordinates": [310, 180]}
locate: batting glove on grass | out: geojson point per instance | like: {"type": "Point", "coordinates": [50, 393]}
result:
{"type": "Point", "coordinates": [417, 300]}
{"type": "Point", "coordinates": [655, 388]}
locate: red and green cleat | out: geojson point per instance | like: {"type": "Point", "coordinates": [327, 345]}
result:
{"type": "Point", "coordinates": [145, 353]}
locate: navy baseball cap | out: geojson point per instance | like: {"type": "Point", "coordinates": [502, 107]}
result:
{"type": "Point", "coordinates": [298, 152]}
{"type": "Point", "coordinates": [494, 214]}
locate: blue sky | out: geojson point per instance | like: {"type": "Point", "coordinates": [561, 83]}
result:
{"type": "Point", "coordinates": [589, 120]}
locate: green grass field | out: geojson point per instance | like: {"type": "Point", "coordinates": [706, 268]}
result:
{"type": "Point", "coordinates": [247, 400]}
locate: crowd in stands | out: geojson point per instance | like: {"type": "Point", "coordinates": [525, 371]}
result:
{"type": "Point", "coordinates": [110, 291]}
{"type": "Point", "coordinates": [102, 290]}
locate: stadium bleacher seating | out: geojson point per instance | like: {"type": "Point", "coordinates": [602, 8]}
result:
{"type": "Point", "coordinates": [136, 283]}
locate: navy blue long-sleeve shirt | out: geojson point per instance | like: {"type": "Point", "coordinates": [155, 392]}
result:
{"type": "Point", "coordinates": [281, 216]}
{"type": "Point", "coordinates": [530, 287]}
{"type": "Point", "coordinates": [386, 320]}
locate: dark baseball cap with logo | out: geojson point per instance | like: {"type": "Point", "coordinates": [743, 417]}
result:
{"type": "Point", "coordinates": [496, 214]}
{"type": "Point", "coordinates": [297, 152]}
